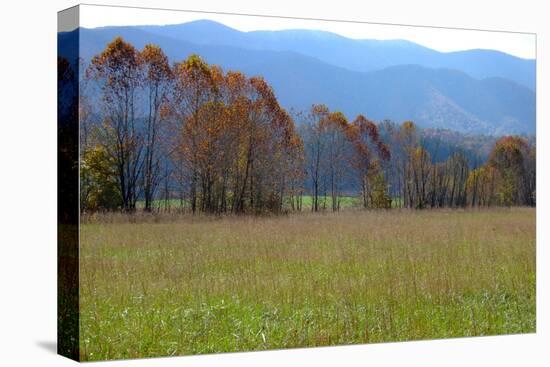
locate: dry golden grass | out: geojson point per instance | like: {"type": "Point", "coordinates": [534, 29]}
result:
{"type": "Point", "coordinates": [180, 285]}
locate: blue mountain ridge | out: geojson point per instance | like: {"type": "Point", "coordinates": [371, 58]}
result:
{"type": "Point", "coordinates": [387, 88]}
{"type": "Point", "coordinates": [357, 55]}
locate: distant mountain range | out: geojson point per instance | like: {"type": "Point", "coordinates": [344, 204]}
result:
{"type": "Point", "coordinates": [476, 91]}
{"type": "Point", "coordinates": [357, 55]}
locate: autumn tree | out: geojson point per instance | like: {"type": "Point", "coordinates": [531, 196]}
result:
{"type": "Point", "coordinates": [439, 185]}
{"type": "Point", "coordinates": [335, 127]}
{"type": "Point", "coordinates": [389, 133]}
{"type": "Point", "coordinates": [369, 156]}
{"type": "Point", "coordinates": [237, 147]}
{"type": "Point", "coordinates": [157, 76]}
{"type": "Point", "coordinates": [480, 186]}
{"type": "Point", "coordinates": [408, 144]}
{"type": "Point", "coordinates": [269, 140]}
{"type": "Point", "coordinates": [513, 160]}
{"type": "Point", "coordinates": [420, 168]}
{"type": "Point", "coordinates": [193, 88]}
{"type": "Point", "coordinates": [315, 145]}
{"type": "Point", "coordinates": [235, 160]}
{"type": "Point", "coordinates": [508, 178]}
{"type": "Point", "coordinates": [530, 176]}
{"type": "Point", "coordinates": [296, 172]}
{"type": "Point", "coordinates": [119, 72]}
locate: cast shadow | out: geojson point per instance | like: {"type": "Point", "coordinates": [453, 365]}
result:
{"type": "Point", "coordinates": [48, 345]}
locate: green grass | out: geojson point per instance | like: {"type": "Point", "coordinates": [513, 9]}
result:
{"type": "Point", "coordinates": [172, 203]}
{"type": "Point", "coordinates": [326, 202]}
{"type": "Point", "coordinates": [307, 200]}
{"type": "Point", "coordinates": [201, 285]}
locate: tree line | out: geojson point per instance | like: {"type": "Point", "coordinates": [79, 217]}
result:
{"type": "Point", "coordinates": [219, 142]}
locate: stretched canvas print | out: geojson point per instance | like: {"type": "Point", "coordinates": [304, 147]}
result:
{"type": "Point", "coordinates": [232, 183]}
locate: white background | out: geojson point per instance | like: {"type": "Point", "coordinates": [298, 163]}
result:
{"type": "Point", "coordinates": [28, 183]}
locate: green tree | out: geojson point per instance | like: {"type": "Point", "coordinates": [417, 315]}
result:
{"type": "Point", "coordinates": [99, 170]}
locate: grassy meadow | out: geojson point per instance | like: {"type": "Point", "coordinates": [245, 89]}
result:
{"type": "Point", "coordinates": [174, 285]}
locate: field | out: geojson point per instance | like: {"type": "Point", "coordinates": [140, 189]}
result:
{"type": "Point", "coordinates": [307, 200]}
{"type": "Point", "coordinates": [182, 285]}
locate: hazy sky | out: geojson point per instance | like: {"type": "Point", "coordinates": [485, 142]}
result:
{"type": "Point", "coordinates": [441, 39]}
